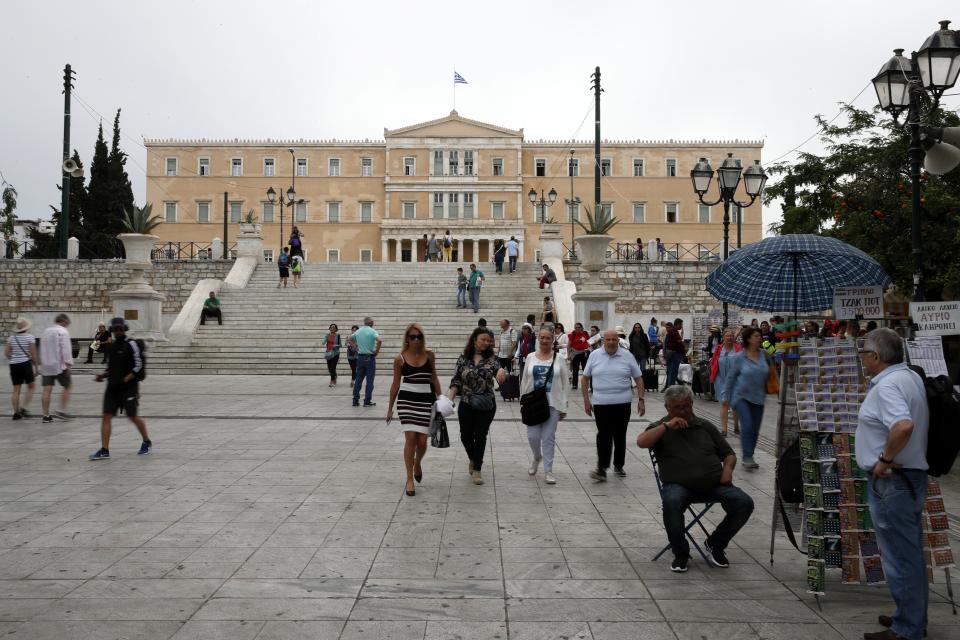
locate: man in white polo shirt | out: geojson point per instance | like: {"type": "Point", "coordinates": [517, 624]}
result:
{"type": "Point", "coordinates": [611, 370]}
{"type": "Point", "coordinates": [891, 443]}
{"type": "Point", "coordinates": [56, 360]}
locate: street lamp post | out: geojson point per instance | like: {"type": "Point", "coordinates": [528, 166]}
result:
{"type": "Point", "coordinates": [728, 177]}
{"type": "Point", "coordinates": [915, 86]}
{"type": "Point", "coordinates": [543, 203]}
{"type": "Point", "coordinates": [571, 203]}
{"type": "Point", "coordinates": [291, 196]}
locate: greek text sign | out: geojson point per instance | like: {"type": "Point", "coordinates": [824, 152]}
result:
{"type": "Point", "coordinates": [936, 318]}
{"type": "Point", "coordinates": [854, 303]}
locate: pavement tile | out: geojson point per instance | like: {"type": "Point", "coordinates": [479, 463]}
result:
{"type": "Point", "coordinates": [472, 609]}
{"type": "Point", "coordinates": [365, 630]}
{"type": "Point", "coordinates": [300, 630]}
{"type": "Point", "coordinates": [218, 630]}
{"type": "Point", "coordinates": [631, 631]}
{"type": "Point", "coordinates": [738, 611]}
{"type": "Point", "coordinates": [452, 630]}
{"type": "Point", "coordinates": [581, 609]}
{"type": "Point", "coordinates": [295, 588]}
{"type": "Point", "coordinates": [576, 589]}
{"type": "Point", "coordinates": [96, 630]}
{"type": "Point", "coordinates": [119, 609]}
{"type": "Point", "coordinates": [275, 609]}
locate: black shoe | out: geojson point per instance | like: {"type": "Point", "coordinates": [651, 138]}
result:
{"type": "Point", "coordinates": [887, 621]}
{"type": "Point", "coordinates": [418, 477]}
{"type": "Point", "coordinates": [679, 564]}
{"type": "Point", "coordinates": [356, 404]}
{"type": "Point", "coordinates": [716, 557]}
{"type": "Point", "coordinates": [369, 404]}
{"type": "Point", "coordinates": [17, 415]}
{"type": "Point", "coordinates": [599, 475]}
{"type": "Point", "coordinates": [620, 472]}
{"type": "Point", "coordinates": [47, 419]}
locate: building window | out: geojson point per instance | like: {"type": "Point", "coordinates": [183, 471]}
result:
{"type": "Point", "coordinates": [333, 167]}
{"type": "Point", "coordinates": [573, 167]}
{"type": "Point", "coordinates": [497, 210]}
{"type": "Point", "coordinates": [366, 255]}
{"type": "Point", "coordinates": [671, 167]}
{"type": "Point", "coordinates": [300, 212]}
{"type": "Point", "coordinates": [540, 167]}
{"type": "Point", "coordinates": [203, 212]}
{"type": "Point", "coordinates": [366, 167]}
{"type": "Point", "coordinates": [236, 166]}
{"type": "Point", "coordinates": [672, 212]}
{"type": "Point", "coordinates": [171, 166]}
{"type": "Point", "coordinates": [606, 165]}
{"type": "Point", "coordinates": [453, 202]}
{"type": "Point", "coordinates": [497, 164]}
{"type": "Point", "coordinates": [438, 205]}
{"type": "Point", "coordinates": [301, 167]}
{"type": "Point", "coordinates": [703, 214]}
{"type": "Point", "coordinates": [203, 166]}
{"type": "Point", "coordinates": [736, 213]}
{"type": "Point", "coordinates": [169, 211]}
{"type": "Point", "coordinates": [639, 212]}
{"type": "Point", "coordinates": [409, 166]}
{"type": "Point", "coordinates": [438, 163]}
{"type": "Point", "coordinates": [468, 163]}
{"type": "Point", "coordinates": [235, 208]}
{"type": "Point", "coordinates": [268, 212]}
{"type": "Point", "coordinates": [366, 212]}
{"type": "Point", "coordinates": [268, 255]}
{"type": "Point", "coordinates": [333, 212]}
{"type": "Point", "coordinates": [539, 212]}
{"type": "Point", "coordinates": [269, 167]}
{"type": "Point", "coordinates": [454, 161]}
{"type": "Point", "coordinates": [573, 211]}
{"type": "Point", "coordinates": [468, 205]}
{"type": "Point", "coordinates": [638, 167]}
{"type": "Point", "coordinates": [409, 210]}
{"type": "Point", "coordinates": [333, 255]}
{"type": "Point", "coordinates": [607, 207]}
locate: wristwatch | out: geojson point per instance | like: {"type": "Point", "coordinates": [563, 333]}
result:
{"type": "Point", "coordinates": [884, 460]}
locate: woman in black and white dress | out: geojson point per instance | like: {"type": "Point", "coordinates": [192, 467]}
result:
{"type": "Point", "coordinates": [415, 388]}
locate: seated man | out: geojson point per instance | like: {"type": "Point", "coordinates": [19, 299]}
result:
{"type": "Point", "coordinates": [696, 465]}
{"type": "Point", "coordinates": [211, 307]}
{"type": "Point", "coordinates": [102, 340]}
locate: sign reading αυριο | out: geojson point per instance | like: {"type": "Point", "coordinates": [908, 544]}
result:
{"type": "Point", "coordinates": [855, 303]}
{"type": "Point", "coordinates": [936, 318]}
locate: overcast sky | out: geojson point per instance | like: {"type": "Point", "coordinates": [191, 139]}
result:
{"type": "Point", "coordinates": [299, 69]}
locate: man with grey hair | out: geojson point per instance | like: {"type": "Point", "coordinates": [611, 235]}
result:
{"type": "Point", "coordinates": [891, 443]}
{"type": "Point", "coordinates": [696, 465]}
{"type": "Point", "coordinates": [56, 361]}
{"type": "Point", "coordinates": [368, 346]}
{"type": "Point", "coordinates": [612, 371]}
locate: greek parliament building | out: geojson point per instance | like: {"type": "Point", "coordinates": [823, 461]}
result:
{"type": "Point", "coordinates": [371, 201]}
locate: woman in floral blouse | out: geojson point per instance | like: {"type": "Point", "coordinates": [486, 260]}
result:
{"type": "Point", "coordinates": [473, 379]}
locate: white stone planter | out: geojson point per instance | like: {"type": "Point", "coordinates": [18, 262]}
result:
{"type": "Point", "coordinates": [250, 228]}
{"type": "Point", "coordinates": [138, 248]}
{"type": "Point", "coordinates": [593, 251]}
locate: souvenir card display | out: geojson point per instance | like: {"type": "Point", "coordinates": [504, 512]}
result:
{"type": "Point", "coordinates": [936, 529]}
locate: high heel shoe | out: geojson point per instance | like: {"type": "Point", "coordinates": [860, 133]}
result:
{"type": "Point", "coordinates": [418, 477]}
{"type": "Point", "coordinates": [410, 492]}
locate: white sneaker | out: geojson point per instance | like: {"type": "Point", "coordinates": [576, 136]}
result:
{"type": "Point", "coordinates": [549, 479]}
{"type": "Point", "coordinates": [534, 466]}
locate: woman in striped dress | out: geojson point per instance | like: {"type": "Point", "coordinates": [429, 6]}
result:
{"type": "Point", "coordinates": [415, 388]}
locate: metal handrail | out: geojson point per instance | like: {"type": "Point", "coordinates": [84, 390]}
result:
{"type": "Point", "coordinates": [177, 251]}
{"type": "Point", "coordinates": [669, 252]}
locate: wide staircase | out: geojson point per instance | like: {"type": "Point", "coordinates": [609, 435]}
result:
{"type": "Point", "coordinates": [267, 330]}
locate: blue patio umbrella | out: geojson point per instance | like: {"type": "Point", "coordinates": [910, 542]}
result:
{"type": "Point", "coordinates": [793, 273]}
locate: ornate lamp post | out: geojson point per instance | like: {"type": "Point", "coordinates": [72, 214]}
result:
{"type": "Point", "coordinates": [915, 86]}
{"type": "Point", "coordinates": [543, 203]}
{"type": "Point", "coordinates": [728, 177]}
{"type": "Point", "coordinates": [291, 195]}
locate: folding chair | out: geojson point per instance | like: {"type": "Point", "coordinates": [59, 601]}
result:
{"type": "Point", "coordinates": [697, 515]}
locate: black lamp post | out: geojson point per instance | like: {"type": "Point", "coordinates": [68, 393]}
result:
{"type": "Point", "coordinates": [728, 177]}
{"type": "Point", "coordinates": [291, 196]}
{"type": "Point", "coordinates": [571, 203]}
{"type": "Point", "coordinates": [915, 86]}
{"type": "Point", "coordinates": [542, 202]}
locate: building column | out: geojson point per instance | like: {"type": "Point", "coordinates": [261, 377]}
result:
{"type": "Point", "coordinates": [399, 255]}
{"type": "Point", "coordinates": [384, 250]}
{"type": "Point", "coordinates": [475, 256]}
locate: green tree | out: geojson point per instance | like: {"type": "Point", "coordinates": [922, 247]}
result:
{"type": "Point", "coordinates": [9, 219]}
{"type": "Point", "coordinates": [859, 191]}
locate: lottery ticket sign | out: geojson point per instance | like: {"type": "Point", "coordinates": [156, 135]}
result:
{"type": "Point", "coordinates": [854, 303]}
{"type": "Point", "coordinates": [936, 318]}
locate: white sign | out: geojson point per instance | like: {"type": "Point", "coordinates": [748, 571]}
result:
{"type": "Point", "coordinates": [936, 318]}
{"type": "Point", "coordinates": [855, 303]}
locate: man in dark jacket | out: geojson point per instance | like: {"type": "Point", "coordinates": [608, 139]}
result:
{"type": "Point", "coordinates": [124, 368]}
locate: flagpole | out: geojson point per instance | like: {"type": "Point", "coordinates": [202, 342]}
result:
{"type": "Point", "coordinates": [454, 88]}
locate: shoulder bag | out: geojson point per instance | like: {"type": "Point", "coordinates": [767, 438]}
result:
{"type": "Point", "coordinates": [535, 406]}
{"type": "Point", "coordinates": [773, 380]}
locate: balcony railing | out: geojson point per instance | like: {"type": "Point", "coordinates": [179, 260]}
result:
{"type": "Point", "coordinates": [670, 252]}
{"type": "Point", "coordinates": [175, 251]}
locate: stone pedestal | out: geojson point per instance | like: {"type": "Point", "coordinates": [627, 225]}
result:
{"type": "Point", "coordinates": [73, 248]}
{"type": "Point", "coordinates": [551, 244]}
{"type": "Point", "coordinates": [137, 302]}
{"type": "Point", "coordinates": [216, 249]}
{"type": "Point", "coordinates": [594, 302]}
{"type": "Point", "coordinates": [250, 242]}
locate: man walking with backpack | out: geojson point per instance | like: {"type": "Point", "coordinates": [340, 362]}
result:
{"type": "Point", "coordinates": [125, 370]}
{"type": "Point", "coordinates": [891, 444]}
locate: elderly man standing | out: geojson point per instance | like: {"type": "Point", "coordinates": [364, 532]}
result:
{"type": "Point", "coordinates": [891, 442]}
{"type": "Point", "coordinates": [368, 346]}
{"type": "Point", "coordinates": [611, 370]}
{"type": "Point", "coordinates": [696, 465]}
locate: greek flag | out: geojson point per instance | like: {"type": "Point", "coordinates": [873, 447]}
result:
{"type": "Point", "coordinates": [458, 79]}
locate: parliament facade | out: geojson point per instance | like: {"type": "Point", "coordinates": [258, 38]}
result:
{"type": "Point", "coordinates": [372, 201]}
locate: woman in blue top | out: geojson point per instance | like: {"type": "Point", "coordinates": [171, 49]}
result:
{"type": "Point", "coordinates": [746, 390]}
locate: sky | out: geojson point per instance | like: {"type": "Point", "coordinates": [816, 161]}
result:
{"type": "Point", "coordinates": [298, 69]}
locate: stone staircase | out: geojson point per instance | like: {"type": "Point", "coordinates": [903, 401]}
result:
{"type": "Point", "coordinates": [268, 330]}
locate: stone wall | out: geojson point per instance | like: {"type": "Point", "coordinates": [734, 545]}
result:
{"type": "Point", "coordinates": [37, 288]}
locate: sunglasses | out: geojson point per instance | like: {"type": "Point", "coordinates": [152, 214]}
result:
{"type": "Point", "coordinates": [414, 336]}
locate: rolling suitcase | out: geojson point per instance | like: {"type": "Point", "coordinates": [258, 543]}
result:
{"type": "Point", "coordinates": [701, 379]}
{"type": "Point", "coordinates": [651, 380]}
{"type": "Point", "coordinates": [510, 389]}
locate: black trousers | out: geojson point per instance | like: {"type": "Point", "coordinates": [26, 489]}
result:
{"type": "Point", "coordinates": [332, 367]}
{"type": "Point", "coordinates": [213, 313]}
{"type": "Point", "coordinates": [506, 364]}
{"type": "Point", "coordinates": [612, 421]}
{"type": "Point", "coordinates": [353, 369]}
{"type": "Point", "coordinates": [577, 361]}
{"type": "Point", "coordinates": [474, 427]}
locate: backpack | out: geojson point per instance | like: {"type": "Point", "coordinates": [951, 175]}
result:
{"type": "Point", "coordinates": [284, 260]}
{"type": "Point", "coordinates": [446, 243]}
{"type": "Point", "coordinates": [141, 345]}
{"type": "Point", "coordinates": [943, 438]}
{"type": "Point", "coordinates": [790, 484]}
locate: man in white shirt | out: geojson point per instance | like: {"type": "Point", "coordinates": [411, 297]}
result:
{"type": "Point", "coordinates": [56, 360]}
{"type": "Point", "coordinates": [513, 251]}
{"type": "Point", "coordinates": [506, 345]}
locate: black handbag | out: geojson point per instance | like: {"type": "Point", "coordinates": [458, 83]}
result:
{"type": "Point", "coordinates": [534, 406]}
{"type": "Point", "coordinates": [439, 438]}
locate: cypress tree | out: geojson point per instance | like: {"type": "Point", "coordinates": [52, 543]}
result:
{"type": "Point", "coordinates": [99, 241]}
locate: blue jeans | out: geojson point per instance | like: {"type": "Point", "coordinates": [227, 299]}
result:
{"type": "Point", "coordinates": [642, 363]}
{"type": "Point", "coordinates": [366, 370]}
{"type": "Point", "coordinates": [513, 263]}
{"type": "Point", "coordinates": [676, 498]}
{"type": "Point", "coordinates": [461, 297]}
{"type": "Point", "coordinates": [751, 415]}
{"type": "Point", "coordinates": [674, 358]}
{"type": "Point", "coordinates": [896, 505]}
{"type": "Point", "coordinates": [475, 299]}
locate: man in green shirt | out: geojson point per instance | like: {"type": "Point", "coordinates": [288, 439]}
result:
{"type": "Point", "coordinates": [696, 465]}
{"type": "Point", "coordinates": [473, 286]}
{"type": "Point", "coordinates": [211, 307]}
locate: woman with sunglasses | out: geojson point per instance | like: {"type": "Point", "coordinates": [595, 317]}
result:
{"type": "Point", "coordinates": [415, 388]}
{"type": "Point", "coordinates": [473, 379]}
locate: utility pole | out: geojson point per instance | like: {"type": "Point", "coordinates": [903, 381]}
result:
{"type": "Point", "coordinates": [596, 140]}
{"type": "Point", "coordinates": [65, 188]}
{"type": "Point", "coordinates": [225, 214]}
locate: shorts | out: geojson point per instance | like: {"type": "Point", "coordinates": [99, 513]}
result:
{"type": "Point", "coordinates": [21, 373]}
{"type": "Point", "coordinates": [115, 401]}
{"type": "Point", "coordinates": [63, 378]}
{"type": "Point", "coordinates": [284, 272]}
